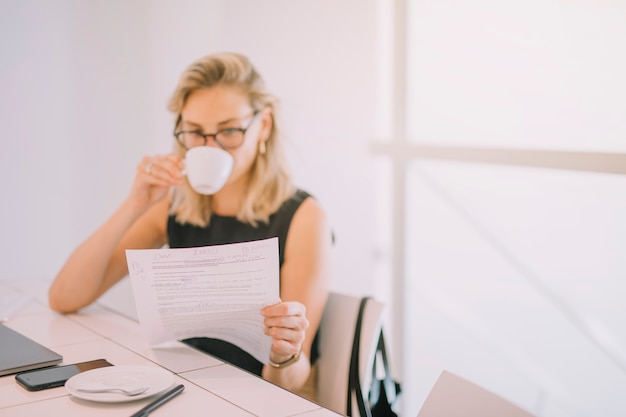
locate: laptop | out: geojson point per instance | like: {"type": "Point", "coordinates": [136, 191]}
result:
{"type": "Point", "coordinates": [453, 396]}
{"type": "Point", "coordinates": [19, 353]}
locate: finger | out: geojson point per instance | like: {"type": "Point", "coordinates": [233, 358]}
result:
{"type": "Point", "coordinates": [145, 166]}
{"type": "Point", "coordinates": [174, 164]}
{"type": "Point", "coordinates": [288, 322]}
{"type": "Point", "coordinates": [288, 308]}
{"type": "Point", "coordinates": [286, 340]}
{"type": "Point", "coordinates": [161, 170]}
{"type": "Point", "coordinates": [284, 348]}
{"type": "Point", "coordinates": [289, 335]}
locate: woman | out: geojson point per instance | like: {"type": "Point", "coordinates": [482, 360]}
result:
{"type": "Point", "coordinates": [220, 101]}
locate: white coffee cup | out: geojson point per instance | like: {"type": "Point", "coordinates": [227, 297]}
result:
{"type": "Point", "coordinates": [207, 168]}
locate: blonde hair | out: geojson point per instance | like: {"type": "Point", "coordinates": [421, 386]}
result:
{"type": "Point", "coordinates": [270, 183]}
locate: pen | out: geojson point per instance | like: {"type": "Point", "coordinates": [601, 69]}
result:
{"type": "Point", "coordinates": [159, 401]}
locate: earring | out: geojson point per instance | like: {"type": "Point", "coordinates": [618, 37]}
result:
{"type": "Point", "coordinates": [262, 148]}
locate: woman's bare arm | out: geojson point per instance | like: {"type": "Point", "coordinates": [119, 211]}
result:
{"type": "Point", "coordinates": [100, 261]}
{"type": "Point", "coordinates": [140, 222]}
{"type": "Point", "coordinates": [305, 277]}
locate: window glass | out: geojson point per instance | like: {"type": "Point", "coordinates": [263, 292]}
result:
{"type": "Point", "coordinates": [531, 74]}
{"type": "Point", "coordinates": [514, 280]}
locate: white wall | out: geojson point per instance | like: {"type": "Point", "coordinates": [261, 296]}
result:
{"type": "Point", "coordinates": [84, 89]}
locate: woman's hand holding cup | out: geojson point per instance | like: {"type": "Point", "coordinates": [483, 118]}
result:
{"type": "Point", "coordinates": [207, 169]}
{"type": "Point", "coordinates": [155, 175]}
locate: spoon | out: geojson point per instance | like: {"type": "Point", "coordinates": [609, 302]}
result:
{"type": "Point", "coordinates": [129, 392]}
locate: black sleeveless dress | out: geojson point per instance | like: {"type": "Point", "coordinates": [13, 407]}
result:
{"type": "Point", "coordinates": [223, 230]}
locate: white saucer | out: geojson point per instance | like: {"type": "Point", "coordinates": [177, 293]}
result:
{"type": "Point", "coordinates": [120, 376]}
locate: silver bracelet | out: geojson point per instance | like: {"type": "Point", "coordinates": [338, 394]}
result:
{"type": "Point", "coordinates": [288, 362]}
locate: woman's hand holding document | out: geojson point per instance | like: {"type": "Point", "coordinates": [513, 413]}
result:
{"type": "Point", "coordinates": [216, 291]}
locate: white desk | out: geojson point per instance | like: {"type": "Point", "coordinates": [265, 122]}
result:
{"type": "Point", "coordinates": [212, 387]}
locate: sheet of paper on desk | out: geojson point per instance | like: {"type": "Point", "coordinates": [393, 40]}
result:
{"type": "Point", "coordinates": [213, 291]}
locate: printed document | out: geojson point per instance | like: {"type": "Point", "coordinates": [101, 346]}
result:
{"type": "Point", "coordinates": [212, 291]}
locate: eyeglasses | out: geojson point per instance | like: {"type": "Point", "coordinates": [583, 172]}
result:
{"type": "Point", "coordinates": [229, 138]}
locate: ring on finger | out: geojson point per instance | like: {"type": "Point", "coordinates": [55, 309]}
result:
{"type": "Point", "coordinates": [148, 168]}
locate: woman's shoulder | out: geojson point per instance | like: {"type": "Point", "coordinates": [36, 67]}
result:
{"type": "Point", "coordinates": [301, 204]}
{"type": "Point", "coordinates": [308, 209]}
{"type": "Point", "coordinates": [294, 202]}
{"type": "Point", "coordinates": [310, 227]}
{"type": "Point", "coordinates": [300, 195]}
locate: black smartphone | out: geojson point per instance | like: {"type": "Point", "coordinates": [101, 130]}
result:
{"type": "Point", "coordinates": [55, 376]}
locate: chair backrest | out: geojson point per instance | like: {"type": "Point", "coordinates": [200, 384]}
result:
{"type": "Point", "coordinates": [453, 396]}
{"type": "Point", "coordinates": [336, 335]}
